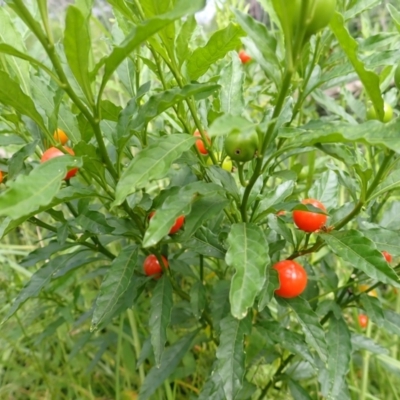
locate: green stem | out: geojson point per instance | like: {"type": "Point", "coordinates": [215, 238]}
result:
{"type": "Point", "coordinates": [136, 342]}
{"type": "Point", "coordinates": [241, 175]}
{"type": "Point", "coordinates": [278, 108]}
{"type": "Point", "coordinates": [118, 361]}
{"type": "Point", "coordinates": [365, 370]}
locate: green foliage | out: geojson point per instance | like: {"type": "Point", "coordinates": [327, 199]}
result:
{"type": "Point", "coordinates": [130, 90]}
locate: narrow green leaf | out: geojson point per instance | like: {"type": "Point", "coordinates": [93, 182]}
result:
{"type": "Point", "coordinates": [360, 342]}
{"type": "Point", "coordinates": [369, 79]}
{"type": "Point", "coordinates": [175, 205]}
{"type": "Point", "coordinates": [114, 284]}
{"type": "Point", "coordinates": [325, 189]}
{"type": "Point", "coordinates": [12, 51]}
{"type": "Point", "coordinates": [160, 316]}
{"type": "Point", "coordinates": [373, 308]}
{"type": "Point", "coordinates": [248, 255]}
{"type": "Point", "coordinates": [206, 243]}
{"type": "Point", "coordinates": [361, 253]}
{"type": "Point", "coordinates": [339, 348]}
{"type": "Point", "coordinates": [12, 95]}
{"type": "Point", "coordinates": [38, 280]}
{"type": "Point", "coordinates": [231, 81]}
{"type": "Point", "coordinates": [220, 43]}
{"type": "Point", "coordinates": [30, 192]}
{"type": "Point", "coordinates": [169, 361]}
{"type": "Point", "coordinates": [297, 391]}
{"type": "Point", "coordinates": [392, 322]}
{"type": "Point", "coordinates": [145, 30]}
{"type": "Point", "coordinates": [160, 102]}
{"type": "Point", "coordinates": [151, 163]}
{"type": "Point", "coordinates": [384, 239]}
{"type": "Point", "coordinates": [267, 292]}
{"type": "Point", "coordinates": [77, 48]}
{"type": "Point", "coordinates": [275, 196]}
{"type": "Point", "coordinates": [292, 341]}
{"type": "Point", "coordinates": [315, 335]}
{"type": "Point", "coordinates": [230, 354]}
{"type": "Point", "coordinates": [198, 299]}
{"type": "Point", "coordinates": [392, 182]}
{"type": "Point", "coordinates": [374, 133]}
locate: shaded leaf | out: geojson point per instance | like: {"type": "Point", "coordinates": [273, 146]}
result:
{"type": "Point", "coordinates": [151, 163]}
{"type": "Point", "coordinates": [114, 284]}
{"type": "Point", "coordinates": [315, 335]}
{"type": "Point", "coordinates": [220, 43]}
{"type": "Point", "coordinates": [160, 316]}
{"type": "Point", "coordinates": [169, 361]}
{"type": "Point", "coordinates": [248, 255]}
{"type": "Point", "coordinates": [362, 254]}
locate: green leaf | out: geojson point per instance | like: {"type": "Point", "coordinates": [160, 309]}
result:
{"type": "Point", "coordinates": [275, 196]}
{"type": "Point", "coordinates": [151, 163]}
{"type": "Point", "coordinates": [373, 308]}
{"type": "Point", "coordinates": [231, 81]}
{"type": "Point", "coordinates": [325, 189]}
{"type": "Point", "coordinates": [175, 205]}
{"type": "Point", "coordinates": [395, 14]}
{"type": "Point", "coordinates": [183, 39]}
{"type": "Point", "coordinates": [392, 182]}
{"type": "Point", "coordinates": [361, 253]}
{"type": "Point", "coordinates": [145, 30]}
{"type": "Point", "coordinates": [289, 340]}
{"type": "Point", "coordinates": [264, 42]}
{"type": "Point", "coordinates": [77, 48]}
{"type": "Point", "coordinates": [160, 316]}
{"type": "Point", "coordinates": [224, 179]}
{"type": "Point", "coordinates": [114, 284]}
{"type": "Point", "coordinates": [220, 43]}
{"type": "Point", "coordinates": [198, 299]}
{"type": "Point", "coordinates": [372, 133]}
{"type": "Point", "coordinates": [66, 194]}
{"type": "Point", "coordinates": [38, 280]}
{"type": "Point", "coordinates": [225, 124]}
{"type": "Point", "coordinates": [30, 192]}
{"type": "Point", "coordinates": [206, 243]}
{"type": "Point", "coordinates": [12, 51]}
{"type": "Point", "coordinates": [169, 361]}
{"type": "Point", "coordinates": [160, 102]}
{"type": "Point", "coordinates": [248, 255]}
{"type": "Point", "coordinates": [369, 79]}
{"type": "Point", "coordinates": [230, 354]}
{"type": "Point", "coordinates": [315, 335]}
{"type": "Point", "coordinates": [297, 391]}
{"type": "Point", "coordinates": [360, 342]}
{"type": "Point", "coordinates": [339, 354]}
{"type": "Point", "coordinates": [12, 95]}
{"type": "Point", "coordinates": [392, 322]}
{"type": "Point", "coordinates": [267, 292]}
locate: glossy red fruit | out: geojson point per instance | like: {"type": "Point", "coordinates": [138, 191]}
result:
{"type": "Point", "coordinates": [244, 57]}
{"type": "Point", "coordinates": [309, 221]}
{"type": "Point", "coordinates": [200, 144]}
{"type": "Point", "coordinates": [152, 267]}
{"type": "Point", "coordinates": [53, 152]}
{"type": "Point", "coordinates": [363, 320]}
{"type": "Point", "coordinates": [178, 223]}
{"type": "Point", "coordinates": [387, 256]}
{"type": "Point", "coordinates": [292, 278]}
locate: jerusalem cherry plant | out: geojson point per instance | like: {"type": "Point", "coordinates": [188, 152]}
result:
{"type": "Point", "coordinates": [227, 211]}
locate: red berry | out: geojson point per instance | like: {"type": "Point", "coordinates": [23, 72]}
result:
{"type": "Point", "coordinates": [53, 152]}
{"type": "Point", "coordinates": [152, 267]}
{"type": "Point", "coordinates": [363, 320]}
{"type": "Point", "coordinates": [309, 221]}
{"type": "Point", "coordinates": [178, 223]}
{"type": "Point", "coordinates": [200, 144]}
{"type": "Point", "coordinates": [244, 57]}
{"type": "Point", "coordinates": [292, 278]}
{"type": "Point", "coordinates": [387, 256]}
